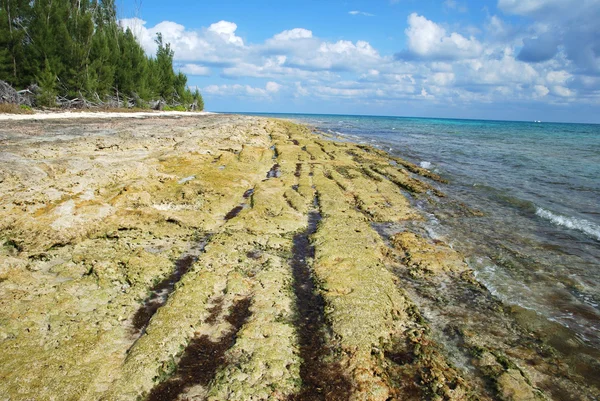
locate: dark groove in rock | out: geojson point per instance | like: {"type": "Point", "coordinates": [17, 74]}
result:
{"type": "Point", "coordinates": [298, 169]}
{"type": "Point", "coordinates": [248, 193]}
{"type": "Point", "coordinates": [202, 357]}
{"type": "Point", "coordinates": [234, 212]}
{"type": "Point", "coordinates": [255, 254]}
{"type": "Point", "coordinates": [321, 380]}
{"type": "Point", "coordinates": [215, 311]}
{"type": "Point", "coordinates": [159, 294]}
{"type": "Point", "coordinates": [274, 172]}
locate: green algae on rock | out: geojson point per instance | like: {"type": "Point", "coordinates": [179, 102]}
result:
{"type": "Point", "coordinates": [95, 216]}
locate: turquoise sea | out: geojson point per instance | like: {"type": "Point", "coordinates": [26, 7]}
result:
{"type": "Point", "coordinates": [537, 244]}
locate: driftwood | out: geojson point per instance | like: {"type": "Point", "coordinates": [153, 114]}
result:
{"type": "Point", "coordinates": [8, 94]}
{"type": "Point", "coordinates": [28, 97]}
{"type": "Point", "coordinates": [157, 104]}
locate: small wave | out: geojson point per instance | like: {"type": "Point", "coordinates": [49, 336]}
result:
{"type": "Point", "coordinates": [507, 198]}
{"type": "Point", "coordinates": [582, 225]}
{"type": "Point", "coordinates": [425, 165]}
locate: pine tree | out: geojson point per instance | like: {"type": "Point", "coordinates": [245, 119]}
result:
{"type": "Point", "coordinates": [47, 81]}
{"type": "Point", "coordinates": [104, 56]}
{"type": "Point", "coordinates": [75, 48]}
{"type": "Point", "coordinates": [132, 67]}
{"type": "Point", "coordinates": [198, 100]}
{"type": "Point", "coordinates": [164, 69]}
{"type": "Point", "coordinates": [14, 18]}
{"type": "Point", "coordinates": [50, 39]}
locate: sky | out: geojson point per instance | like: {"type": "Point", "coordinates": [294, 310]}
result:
{"type": "Point", "coordinates": [489, 59]}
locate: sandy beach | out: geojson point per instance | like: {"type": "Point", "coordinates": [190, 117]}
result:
{"type": "Point", "coordinates": [204, 256]}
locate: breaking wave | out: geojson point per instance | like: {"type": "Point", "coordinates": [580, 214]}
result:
{"type": "Point", "coordinates": [582, 225]}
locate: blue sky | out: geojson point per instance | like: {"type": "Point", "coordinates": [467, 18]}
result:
{"type": "Point", "coordinates": [492, 59]}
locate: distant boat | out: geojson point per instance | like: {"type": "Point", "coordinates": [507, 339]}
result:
{"type": "Point", "coordinates": [536, 121]}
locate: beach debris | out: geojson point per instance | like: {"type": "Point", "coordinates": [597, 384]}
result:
{"type": "Point", "coordinates": [8, 94]}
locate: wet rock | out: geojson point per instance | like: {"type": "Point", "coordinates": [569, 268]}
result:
{"type": "Point", "coordinates": [425, 257]}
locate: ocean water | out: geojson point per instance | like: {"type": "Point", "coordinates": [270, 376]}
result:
{"type": "Point", "coordinates": [537, 244]}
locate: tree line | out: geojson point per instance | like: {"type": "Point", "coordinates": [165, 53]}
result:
{"type": "Point", "coordinates": [76, 49]}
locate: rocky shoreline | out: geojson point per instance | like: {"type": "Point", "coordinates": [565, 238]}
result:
{"type": "Point", "coordinates": [223, 257]}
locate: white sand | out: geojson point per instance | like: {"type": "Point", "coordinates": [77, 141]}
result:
{"type": "Point", "coordinates": [99, 114]}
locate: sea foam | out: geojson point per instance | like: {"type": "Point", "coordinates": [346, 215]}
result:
{"type": "Point", "coordinates": [586, 227]}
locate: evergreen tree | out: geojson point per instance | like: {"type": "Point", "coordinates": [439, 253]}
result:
{"type": "Point", "coordinates": [80, 28]}
{"type": "Point", "coordinates": [164, 70]}
{"type": "Point", "coordinates": [198, 100]}
{"type": "Point", "coordinates": [14, 18]}
{"type": "Point", "coordinates": [132, 68]}
{"type": "Point", "coordinates": [50, 39]}
{"type": "Point", "coordinates": [75, 48]}
{"type": "Point", "coordinates": [103, 58]}
{"type": "Point", "coordinates": [47, 81]}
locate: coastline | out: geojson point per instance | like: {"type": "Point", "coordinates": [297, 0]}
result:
{"type": "Point", "coordinates": [262, 214]}
{"type": "Point", "coordinates": [99, 114]}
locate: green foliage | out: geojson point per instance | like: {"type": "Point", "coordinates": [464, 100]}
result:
{"type": "Point", "coordinates": [47, 81]}
{"type": "Point", "coordinates": [175, 108]}
{"type": "Point", "coordinates": [198, 100]}
{"type": "Point", "coordinates": [76, 48]}
{"type": "Point", "coordinates": [13, 36]}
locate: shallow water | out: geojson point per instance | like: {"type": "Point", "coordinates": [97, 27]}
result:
{"type": "Point", "coordinates": [537, 244]}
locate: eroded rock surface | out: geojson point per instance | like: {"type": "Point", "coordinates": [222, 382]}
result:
{"type": "Point", "coordinates": [231, 257]}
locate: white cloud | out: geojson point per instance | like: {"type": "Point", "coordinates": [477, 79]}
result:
{"type": "Point", "coordinates": [317, 55]}
{"type": "Point", "coordinates": [442, 78]}
{"type": "Point", "coordinates": [300, 90]}
{"type": "Point", "coordinates": [267, 92]}
{"type": "Point", "coordinates": [296, 33]}
{"type": "Point", "coordinates": [355, 12]}
{"type": "Point", "coordinates": [440, 65]}
{"type": "Point", "coordinates": [217, 44]}
{"type": "Point", "coordinates": [238, 90]}
{"type": "Point", "coordinates": [428, 40]}
{"type": "Point", "coordinates": [558, 77]}
{"type": "Point", "coordinates": [272, 87]}
{"type": "Point", "coordinates": [425, 94]}
{"type": "Point", "coordinates": [226, 30]}
{"type": "Point", "coordinates": [195, 69]}
{"type": "Point", "coordinates": [562, 91]}
{"type": "Point", "coordinates": [540, 90]}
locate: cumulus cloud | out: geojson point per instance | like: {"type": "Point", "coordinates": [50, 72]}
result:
{"type": "Point", "coordinates": [293, 34]}
{"type": "Point", "coordinates": [532, 58]}
{"type": "Point", "coordinates": [226, 31]}
{"type": "Point", "coordinates": [272, 87]}
{"type": "Point", "coordinates": [428, 40]}
{"type": "Point", "coordinates": [540, 90]}
{"type": "Point", "coordinates": [562, 91]}
{"type": "Point", "coordinates": [560, 23]}
{"type": "Point", "coordinates": [195, 69]}
{"type": "Point", "coordinates": [245, 91]}
{"type": "Point", "coordinates": [216, 45]}
{"type": "Point", "coordinates": [307, 53]}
